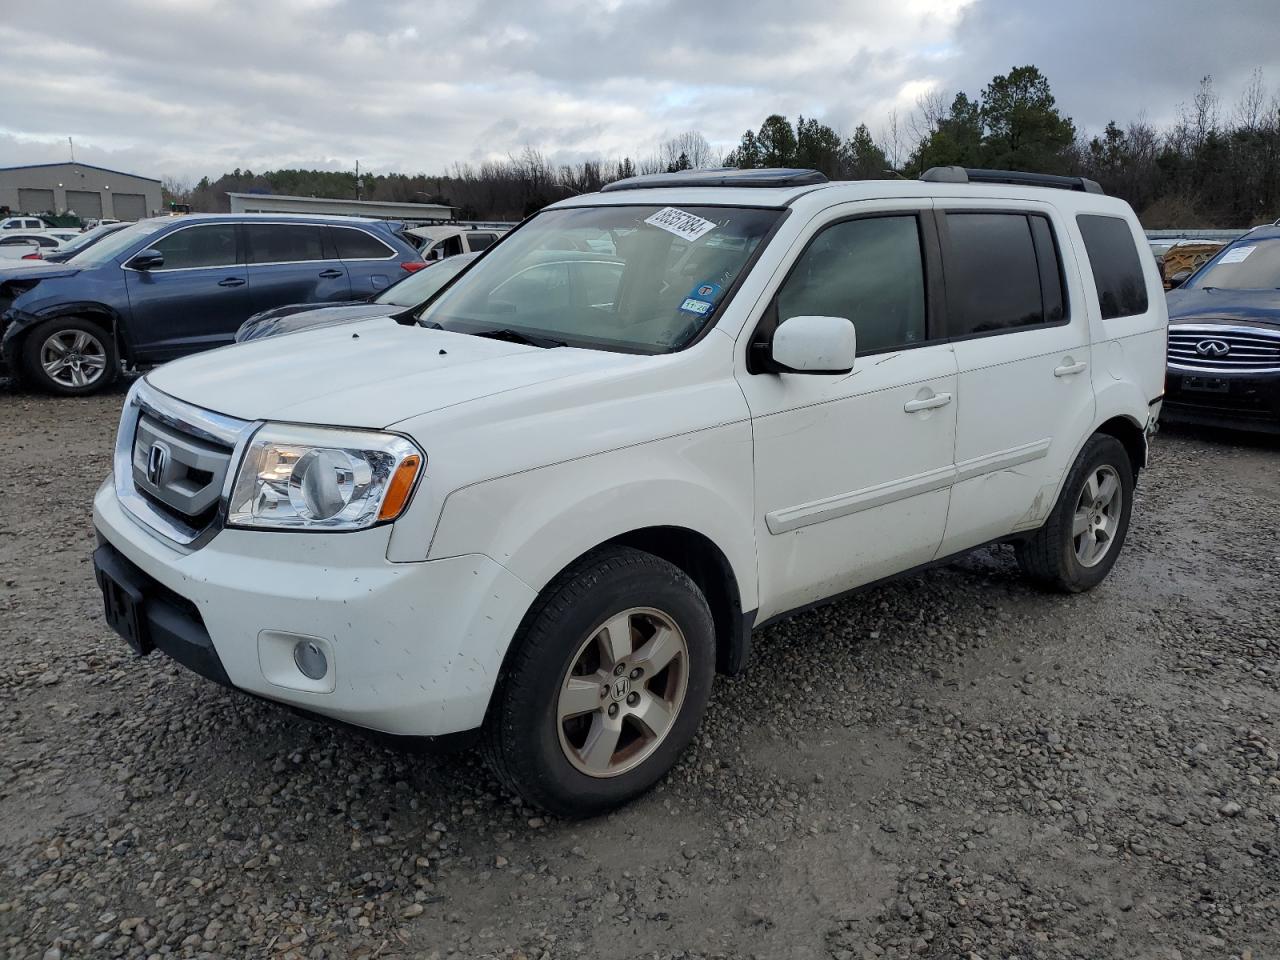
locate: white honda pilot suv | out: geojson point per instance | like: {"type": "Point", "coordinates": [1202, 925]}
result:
{"type": "Point", "coordinates": [549, 504]}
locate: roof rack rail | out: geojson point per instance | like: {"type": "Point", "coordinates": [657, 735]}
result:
{"type": "Point", "coordinates": [1017, 177]}
{"type": "Point", "coordinates": [721, 177]}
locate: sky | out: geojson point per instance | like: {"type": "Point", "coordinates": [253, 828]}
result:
{"type": "Point", "coordinates": [187, 88]}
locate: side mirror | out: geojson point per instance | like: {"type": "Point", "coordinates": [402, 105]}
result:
{"type": "Point", "coordinates": [148, 259]}
{"type": "Point", "coordinates": [814, 345]}
{"type": "Point", "coordinates": [1179, 278]}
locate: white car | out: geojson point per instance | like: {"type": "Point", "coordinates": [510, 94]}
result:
{"type": "Point", "coordinates": [23, 223]}
{"type": "Point", "coordinates": [17, 244]}
{"type": "Point", "coordinates": [551, 503]}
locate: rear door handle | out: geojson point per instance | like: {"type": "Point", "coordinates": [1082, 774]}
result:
{"type": "Point", "coordinates": [1070, 369]}
{"type": "Point", "coordinates": [231, 282]}
{"type": "Point", "coordinates": [330, 274]}
{"type": "Point", "coordinates": [927, 403]}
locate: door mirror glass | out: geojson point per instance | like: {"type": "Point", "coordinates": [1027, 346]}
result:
{"type": "Point", "coordinates": [814, 345]}
{"type": "Point", "coordinates": [148, 259]}
{"type": "Point", "coordinates": [1179, 278]}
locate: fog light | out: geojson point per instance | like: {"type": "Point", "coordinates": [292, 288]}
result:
{"type": "Point", "coordinates": [310, 659]}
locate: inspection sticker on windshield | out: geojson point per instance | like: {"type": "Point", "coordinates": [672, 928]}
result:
{"type": "Point", "coordinates": [1238, 255]}
{"type": "Point", "coordinates": [683, 225]}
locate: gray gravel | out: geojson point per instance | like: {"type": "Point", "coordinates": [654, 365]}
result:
{"type": "Point", "coordinates": [951, 766]}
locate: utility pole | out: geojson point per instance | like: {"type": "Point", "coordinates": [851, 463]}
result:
{"type": "Point", "coordinates": [358, 183]}
{"type": "Point", "coordinates": [72, 147]}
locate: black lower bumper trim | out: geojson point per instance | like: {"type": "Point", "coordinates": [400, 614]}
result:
{"type": "Point", "coordinates": [172, 623]}
{"type": "Point", "coordinates": [1176, 413]}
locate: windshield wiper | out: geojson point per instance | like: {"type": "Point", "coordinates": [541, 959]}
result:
{"type": "Point", "coordinates": [516, 336]}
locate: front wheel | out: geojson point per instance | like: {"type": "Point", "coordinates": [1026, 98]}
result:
{"type": "Point", "coordinates": [1079, 543]}
{"type": "Point", "coordinates": [606, 686]}
{"type": "Point", "coordinates": [70, 356]}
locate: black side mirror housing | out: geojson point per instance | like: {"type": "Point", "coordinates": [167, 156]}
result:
{"type": "Point", "coordinates": [149, 259]}
{"type": "Point", "coordinates": [1179, 278]}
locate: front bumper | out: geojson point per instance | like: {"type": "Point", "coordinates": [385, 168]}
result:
{"type": "Point", "coordinates": [415, 648]}
{"type": "Point", "coordinates": [1236, 401]}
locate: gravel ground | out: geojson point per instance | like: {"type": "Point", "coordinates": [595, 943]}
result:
{"type": "Point", "coordinates": [950, 766]}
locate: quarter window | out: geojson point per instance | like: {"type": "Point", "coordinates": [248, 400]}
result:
{"type": "Point", "coordinates": [284, 242]}
{"type": "Point", "coordinates": [358, 245]}
{"type": "Point", "coordinates": [869, 271]}
{"type": "Point", "coordinates": [213, 245]}
{"type": "Point", "coordinates": [1117, 271]}
{"type": "Point", "coordinates": [1003, 273]}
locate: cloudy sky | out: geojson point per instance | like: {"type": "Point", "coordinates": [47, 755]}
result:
{"type": "Point", "coordinates": [191, 87]}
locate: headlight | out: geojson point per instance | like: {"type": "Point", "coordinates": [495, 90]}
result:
{"type": "Point", "coordinates": [317, 478]}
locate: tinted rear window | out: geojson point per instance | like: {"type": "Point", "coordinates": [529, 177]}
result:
{"type": "Point", "coordinates": [478, 241]}
{"type": "Point", "coordinates": [1117, 271]}
{"type": "Point", "coordinates": [358, 245]}
{"type": "Point", "coordinates": [284, 242]}
{"type": "Point", "coordinates": [1002, 273]}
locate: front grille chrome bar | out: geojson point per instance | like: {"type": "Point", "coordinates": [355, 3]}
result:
{"type": "Point", "coordinates": [1248, 349]}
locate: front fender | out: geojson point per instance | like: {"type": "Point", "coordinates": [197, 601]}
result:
{"type": "Point", "coordinates": [15, 322]}
{"type": "Point", "coordinates": [537, 522]}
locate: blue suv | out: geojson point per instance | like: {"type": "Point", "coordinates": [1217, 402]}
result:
{"type": "Point", "coordinates": [170, 286]}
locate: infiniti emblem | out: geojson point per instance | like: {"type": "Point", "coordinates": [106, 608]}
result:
{"type": "Point", "coordinates": [1213, 348]}
{"type": "Point", "coordinates": [157, 460]}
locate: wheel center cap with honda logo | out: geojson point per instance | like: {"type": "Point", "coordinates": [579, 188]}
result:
{"type": "Point", "coordinates": [619, 689]}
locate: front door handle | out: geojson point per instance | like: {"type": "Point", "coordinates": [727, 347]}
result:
{"type": "Point", "coordinates": [1070, 369]}
{"type": "Point", "coordinates": [927, 403]}
{"type": "Point", "coordinates": [331, 274]}
{"type": "Point", "coordinates": [231, 282]}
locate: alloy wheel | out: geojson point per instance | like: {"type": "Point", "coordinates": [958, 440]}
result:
{"type": "Point", "coordinates": [1097, 515]}
{"type": "Point", "coordinates": [73, 358]}
{"type": "Point", "coordinates": [623, 691]}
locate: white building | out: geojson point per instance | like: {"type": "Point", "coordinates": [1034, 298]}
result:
{"type": "Point", "coordinates": [79, 188]}
{"type": "Point", "coordinates": [381, 209]}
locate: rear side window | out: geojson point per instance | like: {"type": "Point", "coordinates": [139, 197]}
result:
{"type": "Point", "coordinates": [1003, 273]}
{"type": "Point", "coordinates": [478, 241]}
{"type": "Point", "coordinates": [358, 245]}
{"type": "Point", "coordinates": [284, 242]}
{"type": "Point", "coordinates": [869, 271]}
{"type": "Point", "coordinates": [1117, 270]}
{"type": "Point", "coordinates": [213, 245]}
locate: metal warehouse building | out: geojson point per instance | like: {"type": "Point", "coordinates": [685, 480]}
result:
{"type": "Point", "coordinates": [78, 188]}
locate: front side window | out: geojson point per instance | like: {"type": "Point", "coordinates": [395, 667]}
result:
{"type": "Point", "coordinates": [645, 279]}
{"type": "Point", "coordinates": [284, 242]}
{"type": "Point", "coordinates": [1244, 265]}
{"type": "Point", "coordinates": [1117, 271]}
{"type": "Point", "coordinates": [869, 271]}
{"type": "Point", "coordinates": [212, 245]}
{"type": "Point", "coordinates": [1002, 273]}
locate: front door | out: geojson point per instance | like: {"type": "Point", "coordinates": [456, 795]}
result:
{"type": "Point", "coordinates": [195, 300]}
{"type": "Point", "coordinates": [1021, 335]}
{"type": "Point", "coordinates": [853, 471]}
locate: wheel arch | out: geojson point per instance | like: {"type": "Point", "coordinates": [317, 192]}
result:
{"type": "Point", "coordinates": [93, 311]}
{"type": "Point", "coordinates": [1131, 435]}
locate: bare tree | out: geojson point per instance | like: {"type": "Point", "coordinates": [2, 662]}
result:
{"type": "Point", "coordinates": [891, 139]}
{"type": "Point", "coordinates": [1251, 106]}
{"type": "Point", "coordinates": [692, 145]}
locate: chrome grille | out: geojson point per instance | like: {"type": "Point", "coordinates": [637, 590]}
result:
{"type": "Point", "coordinates": [173, 463]}
{"type": "Point", "coordinates": [1237, 349]}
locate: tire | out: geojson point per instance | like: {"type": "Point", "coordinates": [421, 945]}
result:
{"type": "Point", "coordinates": [90, 361]}
{"type": "Point", "coordinates": [1059, 555]}
{"type": "Point", "coordinates": [549, 734]}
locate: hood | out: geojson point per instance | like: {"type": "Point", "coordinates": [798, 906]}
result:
{"type": "Point", "coordinates": [305, 316]}
{"type": "Point", "coordinates": [367, 373]}
{"type": "Point", "coordinates": [1216, 303]}
{"type": "Point", "coordinates": [35, 270]}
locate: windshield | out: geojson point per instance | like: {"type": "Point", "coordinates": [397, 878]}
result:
{"type": "Point", "coordinates": [89, 237]}
{"type": "Point", "coordinates": [1245, 265]}
{"type": "Point", "coordinates": [642, 279]}
{"type": "Point", "coordinates": [110, 247]}
{"type": "Point", "coordinates": [421, 286]}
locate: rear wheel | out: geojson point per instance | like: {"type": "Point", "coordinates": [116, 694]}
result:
{"type": "Point", "coordinates": [606, 686]}
{"type": "Point", "coordinates": [70, 356]}
{"type": "Point", "coordinates": [1081, 540]}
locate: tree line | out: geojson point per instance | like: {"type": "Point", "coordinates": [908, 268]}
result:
{"type": "Point", "coordinates": [1216, 165]}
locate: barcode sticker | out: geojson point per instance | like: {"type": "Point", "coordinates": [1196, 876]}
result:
{"type": "Point", "coordinates": [683, 225]}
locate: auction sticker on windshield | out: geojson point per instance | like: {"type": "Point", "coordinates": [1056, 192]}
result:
{"type": "Point", "coordinates": [1238, 255]}
{"type": "Point", "coordinates": [683, 225]}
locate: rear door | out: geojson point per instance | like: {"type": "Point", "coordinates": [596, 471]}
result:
{"type": "Point", "coordinates": [372, 264]}
{"type": "Point", "coordinates": [292, 263]}
{"type": "Point", "coordinates": [1020, 329]}
{"type": "Point", "coordinates": [195, 301]}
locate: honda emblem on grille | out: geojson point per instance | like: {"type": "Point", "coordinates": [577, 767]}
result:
{"type": "Point", "coordinates": [1213, 348]}
{"type": "Point", "coordinates": [157, 460]}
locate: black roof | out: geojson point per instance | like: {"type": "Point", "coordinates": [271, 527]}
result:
{"type": "Point", "coordinates": [721, 177]}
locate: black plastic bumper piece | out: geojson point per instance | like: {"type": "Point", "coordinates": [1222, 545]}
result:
{"type": "Point", "coordinates": [167, 622]}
